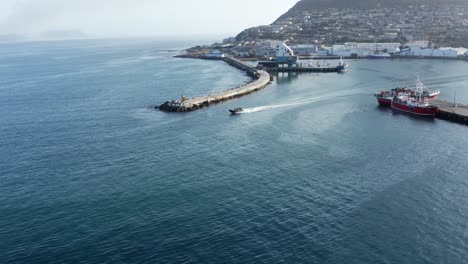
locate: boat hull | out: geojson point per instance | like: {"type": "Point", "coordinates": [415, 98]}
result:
{"type": "Point", "coordinates": [429, 111]}
{"type": "Point", "coordinates": [384, 101]}
{"type": "Point", "coordinates": [342, 69]}
{"type": "Point", "coordinates": [378, 57]}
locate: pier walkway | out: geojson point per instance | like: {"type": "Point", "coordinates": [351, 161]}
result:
{"type": "Point", "coordinates": [260, 79]}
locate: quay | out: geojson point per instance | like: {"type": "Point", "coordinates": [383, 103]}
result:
{"type": "Point", "coordinates": [260, 79]}
{"type": "Point", "coordinates": [274, 67]}
{"type": "Point", "coordinates": [287, 61]}
{"type": "Point", "coordinates": [447, 111]}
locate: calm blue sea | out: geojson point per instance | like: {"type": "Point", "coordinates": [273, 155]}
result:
{"type": "Point", "coordinates": [315, 172]}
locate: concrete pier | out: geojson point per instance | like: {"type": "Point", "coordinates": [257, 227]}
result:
{"type": "Point", "coordinates": [275, 67]}
{"type": "Point", "coordinates": [260, 79]}
{"type": "Point", "coordinates": [305, 69]}
{"type": "Point", "coordinates": [448, 111]}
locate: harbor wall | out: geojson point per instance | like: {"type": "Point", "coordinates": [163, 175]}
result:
{"type": "Point", "coordinates": [260, 79]}
{"type": "Point", "coordinates": [447, 111]}
{"type": "Point", "coordinates": [452, 116]}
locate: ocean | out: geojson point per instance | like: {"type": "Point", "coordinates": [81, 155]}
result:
{"type": "Point", "coordinates": [314, 172]}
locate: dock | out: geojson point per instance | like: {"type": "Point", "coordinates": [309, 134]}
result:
{"type": "Point", "coordinates": [275, 67]}
{"type": "Point", "coordinates": [447, 111]}
{"type": "Point", "coordinates": [260, 79]}
{"type": "Point", "coordinates": [304, 69]}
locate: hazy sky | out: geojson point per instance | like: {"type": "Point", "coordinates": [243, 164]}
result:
{"type": "Point", "coordinates": [102, 18]}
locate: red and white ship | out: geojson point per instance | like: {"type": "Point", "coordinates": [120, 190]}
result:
{"type": "Point", "coordinates": [431, 94]}
{"type": "Point", "coordinates": [416, 103]}
{"type": "Point", "coordinates": [385, 97]}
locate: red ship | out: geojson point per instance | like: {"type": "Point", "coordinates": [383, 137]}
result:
{"type": "Point", "coordinates": [431, 94]}
{"type": "Point", "coordinates": [416, 103]}
{"type": "Point", "coordinates": [385, 97]}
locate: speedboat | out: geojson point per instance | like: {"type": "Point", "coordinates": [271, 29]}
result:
{"type": "Point", "coordinates": [236, 110]}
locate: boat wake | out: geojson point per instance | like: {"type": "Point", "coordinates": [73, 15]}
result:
{"type": "Point", "coordinates": [360, 88]}
{"type": "Point", "coordinates": [301, 102]}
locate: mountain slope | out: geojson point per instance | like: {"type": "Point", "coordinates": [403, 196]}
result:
{"type": "Point", "coordinates": [308, 5]}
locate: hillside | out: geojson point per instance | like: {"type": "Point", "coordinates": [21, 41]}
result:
{"type": "Point", "coordinates": [338, 21]}
{"type": "Point", "coordinates": [309, 5]}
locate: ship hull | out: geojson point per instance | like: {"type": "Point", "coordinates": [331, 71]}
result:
{"type": "Point", "coordinates": [342, 69]}
{"type": "Point", "coordinates": [384, 101]}
{"type": "Point", "coordinates": [379, 56]}
{"type": "Point", "coordinates": [429, 111]}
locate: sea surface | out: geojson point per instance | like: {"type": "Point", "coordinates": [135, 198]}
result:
{"type": "Point", "coordinates": [314, 172]}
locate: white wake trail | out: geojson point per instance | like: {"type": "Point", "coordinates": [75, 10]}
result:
{"type": "Point", "coordinates": [301, 102]}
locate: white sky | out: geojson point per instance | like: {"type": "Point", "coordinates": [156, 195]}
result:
{"type": "Point", "coordinates": [110, 18]}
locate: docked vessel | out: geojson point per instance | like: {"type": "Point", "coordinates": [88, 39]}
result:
{"type": "Point", "coordinates": [379, 56]}
{"type": "Point", "coordinates": [384, 98]}
{"type": "Point", "coordinates": [236, 110]}
{"type": "Point", "coordinates": [431, 94]}
{"type": "Point", "coordinates": [415, 103]}
{"type": "Point", "coordinates": [414, 106]}
{"type": "Point", "coordinates": [342, 66]}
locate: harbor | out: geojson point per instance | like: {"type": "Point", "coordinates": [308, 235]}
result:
{"type": "Point", "coordinates": [285, 61]}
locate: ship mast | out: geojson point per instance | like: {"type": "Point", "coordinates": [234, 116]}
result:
{"type": "Point", "coordinates": [419, 89]}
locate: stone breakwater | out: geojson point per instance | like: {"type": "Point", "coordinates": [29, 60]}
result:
{"type": "Point", "coordinates": [260, 79]}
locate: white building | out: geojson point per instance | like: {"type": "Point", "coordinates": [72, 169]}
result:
{"type": "Point", "coordinates": [340, 50]}
{"type": "Point", "coordinates": [418, 43]}
{"type": "Point", "coordinates": [429, 52]}
{"type": "Point", "coordinates": [284, 54]}
{"type": "Point", "coordinates": [304, 49]}
{"type": "Point", "coordinates": [266, 48]}
{"type": "Point", "coordinates": [364, 49]}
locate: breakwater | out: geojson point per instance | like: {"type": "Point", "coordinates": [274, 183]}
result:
{"type": "Point", "coordinates": [260, 79]}
{"type": "Point", "coordinates": [448, 111]}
